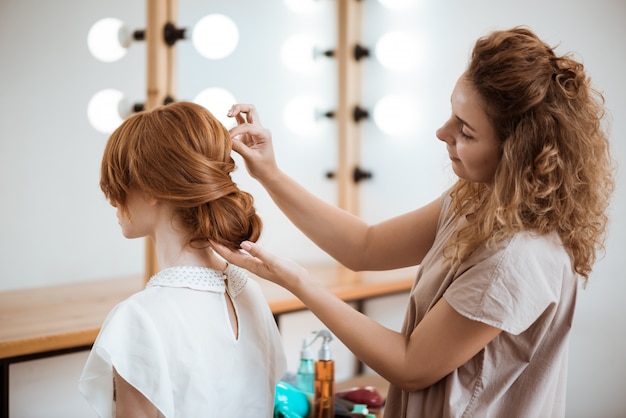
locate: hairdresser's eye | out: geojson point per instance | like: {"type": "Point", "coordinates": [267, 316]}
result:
{"type": "Point", "coordinates": [462, 132]}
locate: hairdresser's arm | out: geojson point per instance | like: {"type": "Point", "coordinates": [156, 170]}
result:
{"type": "Point", "coordinates": [399, 242]}
{"type": "Point", "coordinates": [129, 402]}
{"type": "Point", "coordinates": [443, 341]}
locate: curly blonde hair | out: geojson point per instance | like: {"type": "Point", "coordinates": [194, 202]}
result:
{"type": "Point", "coordinates": [180, 154]}
{"type": "Point", "coordinates": [555, 172]}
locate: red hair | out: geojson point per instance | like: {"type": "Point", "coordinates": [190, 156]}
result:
{"type": "Point", "coordinates": [180, 154]}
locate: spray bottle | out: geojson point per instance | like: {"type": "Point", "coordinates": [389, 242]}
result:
{"type": "Point", "coordinates": [305, 379]}
{"type": "Point", "coordinates": [324, 399]}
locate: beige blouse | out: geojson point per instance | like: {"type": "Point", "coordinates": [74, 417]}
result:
{"type": "Point", "coordinates": [526, 287]}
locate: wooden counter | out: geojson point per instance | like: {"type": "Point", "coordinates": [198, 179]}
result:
{"type": "Point", "coordinates": [66, 316]}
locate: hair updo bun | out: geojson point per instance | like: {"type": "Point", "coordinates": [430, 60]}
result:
{"type": "Point", "coordinates": [180, 154]}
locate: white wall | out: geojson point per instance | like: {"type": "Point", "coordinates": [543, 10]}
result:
{"type": "Point", "coordinates": [56, 227]}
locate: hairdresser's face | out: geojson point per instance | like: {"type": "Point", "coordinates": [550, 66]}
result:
{"type": "Point", "coordinates": [470, 137]}
{"type": "Point", "coordinates": [140, 219]}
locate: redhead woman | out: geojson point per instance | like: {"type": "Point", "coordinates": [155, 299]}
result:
{"type": "Point", "coordinates": [199, 340]}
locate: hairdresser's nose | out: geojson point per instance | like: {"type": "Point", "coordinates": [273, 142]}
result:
{"type": "Point", "coordinates": [444, 133]}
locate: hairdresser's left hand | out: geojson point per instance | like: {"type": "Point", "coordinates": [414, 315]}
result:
{"type": "Point", "coordinates": [253, 142]}
{"type": "Point", "coordinates": [265, 264]}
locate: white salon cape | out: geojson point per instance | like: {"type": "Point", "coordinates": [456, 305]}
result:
{"type": "Point", "coordinates": [174, 342]}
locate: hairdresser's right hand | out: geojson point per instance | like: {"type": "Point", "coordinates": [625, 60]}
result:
{"type": "Point", "coordinates": [252, 141]}
{"type": "Point", "coordinates": [265, 264]}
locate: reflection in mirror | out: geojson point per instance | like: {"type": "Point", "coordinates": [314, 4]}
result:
{"type": "Point", "coordinates": [107, 109]}
{"type": "Point", "coordinates": [57, 227]}
{"type": "Point", "coordinates": [398, 51]}
{"type": "Point", "coordinates": [218, 101]}
{"type": "Point", "coordinates": [108, 39]}
{"type": "Point", "coordinates": [215, 36]}
{"type": "Point", "coordinates": [397, 115]}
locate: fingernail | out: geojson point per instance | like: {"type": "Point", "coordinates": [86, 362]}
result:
{"type": "Point", "coordinates": [246, 245]}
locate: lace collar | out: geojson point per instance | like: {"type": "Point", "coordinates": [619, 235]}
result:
{"type": "Point", "coordinates": [202, 278]}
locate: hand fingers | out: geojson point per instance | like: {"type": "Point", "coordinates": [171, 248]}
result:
{"type": "Point", "coordinates": [240, 148]}
{"type": "Point", "coordinates": [247, 137]}
{"type": "Point", "coordinates": [255, 250]}
{"type": "Point", "coordinates": [240, 119]}
{"type": "Point", "coordinates": [235, 257]}
{"type": "Point", "coordinates": [271, 266]}
{"type": "Point", "coordinates": [254, 255]}
{"type": "Point", "coordinates": [263, 263]}
{"type": "Point", "coordinates": [245, 113]}
{"type": "Point", "coordinates": [248, 130]}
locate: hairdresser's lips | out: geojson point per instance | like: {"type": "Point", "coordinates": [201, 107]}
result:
{"type": "Point", "coordinates": [452, 156]}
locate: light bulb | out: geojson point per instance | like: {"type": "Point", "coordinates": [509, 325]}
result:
{"type": "Point", "coordinates": [398, 51]}
{"type": "Point", "coordinates": [397, 115]}
{"type": "Point", "coordinates": [218, 101]}
{"type": "Point", "coordinates": [298, 53]}
{"type": "Point", "coordinates": [302, 116]}
{"type": "Point", "coordinates": [105, 110]}
{"type": "Point", "coordinates": [108, 39]}
{"type": "Point", "coordinates": [215, 36]}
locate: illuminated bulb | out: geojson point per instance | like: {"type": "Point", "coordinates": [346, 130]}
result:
{"type": "Point", "coordinates": [215, 36]}
{"type": "Point", "coordinates": [108, 39]}
{"type": "Point", "coordinates": [298, 53]}
{"type": "Point", "coordinates": [398, 51]}
{"type": "Point", "coordinates": [218, 101]}
{"type": "Point", "coordinates": [304, 6]}
{"type": "Point", "coordinates": [396, 115]}
{"type": "Point", "coordinates": [106, 110]}
{"type": "Point", "coordinates": [301, 115]}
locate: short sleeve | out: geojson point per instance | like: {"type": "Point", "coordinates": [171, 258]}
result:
{"type": "Point", "coordinates": [511, 287]}
{"type": "Point", "coordinates": [129, 342]}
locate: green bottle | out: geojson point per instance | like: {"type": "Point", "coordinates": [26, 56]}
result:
{"type": "Point", "coordinates": [305, 378]}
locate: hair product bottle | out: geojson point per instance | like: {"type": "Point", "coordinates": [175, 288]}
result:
{"type": "Point", "coordinates": [305, 379]}
{"type": "Point", "coordinates": [324, 399]}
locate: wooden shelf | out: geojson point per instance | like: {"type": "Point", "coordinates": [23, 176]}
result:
{"type": "Point", "coordinates": [48, 319]}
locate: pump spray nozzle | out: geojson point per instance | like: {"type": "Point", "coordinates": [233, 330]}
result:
{"type": "Point", "coordinates": [305, 351]}
{"type": "Point", "coordinates": [324, 353]}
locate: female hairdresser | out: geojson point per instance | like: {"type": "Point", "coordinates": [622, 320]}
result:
{"type": "Point", "coordinates": [500, 252]}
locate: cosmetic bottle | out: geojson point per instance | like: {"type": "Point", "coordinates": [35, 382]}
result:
{"type": "Point", "coordinates": [305, 378]}
{"type": "Point", "coordinates": [324, 398]}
